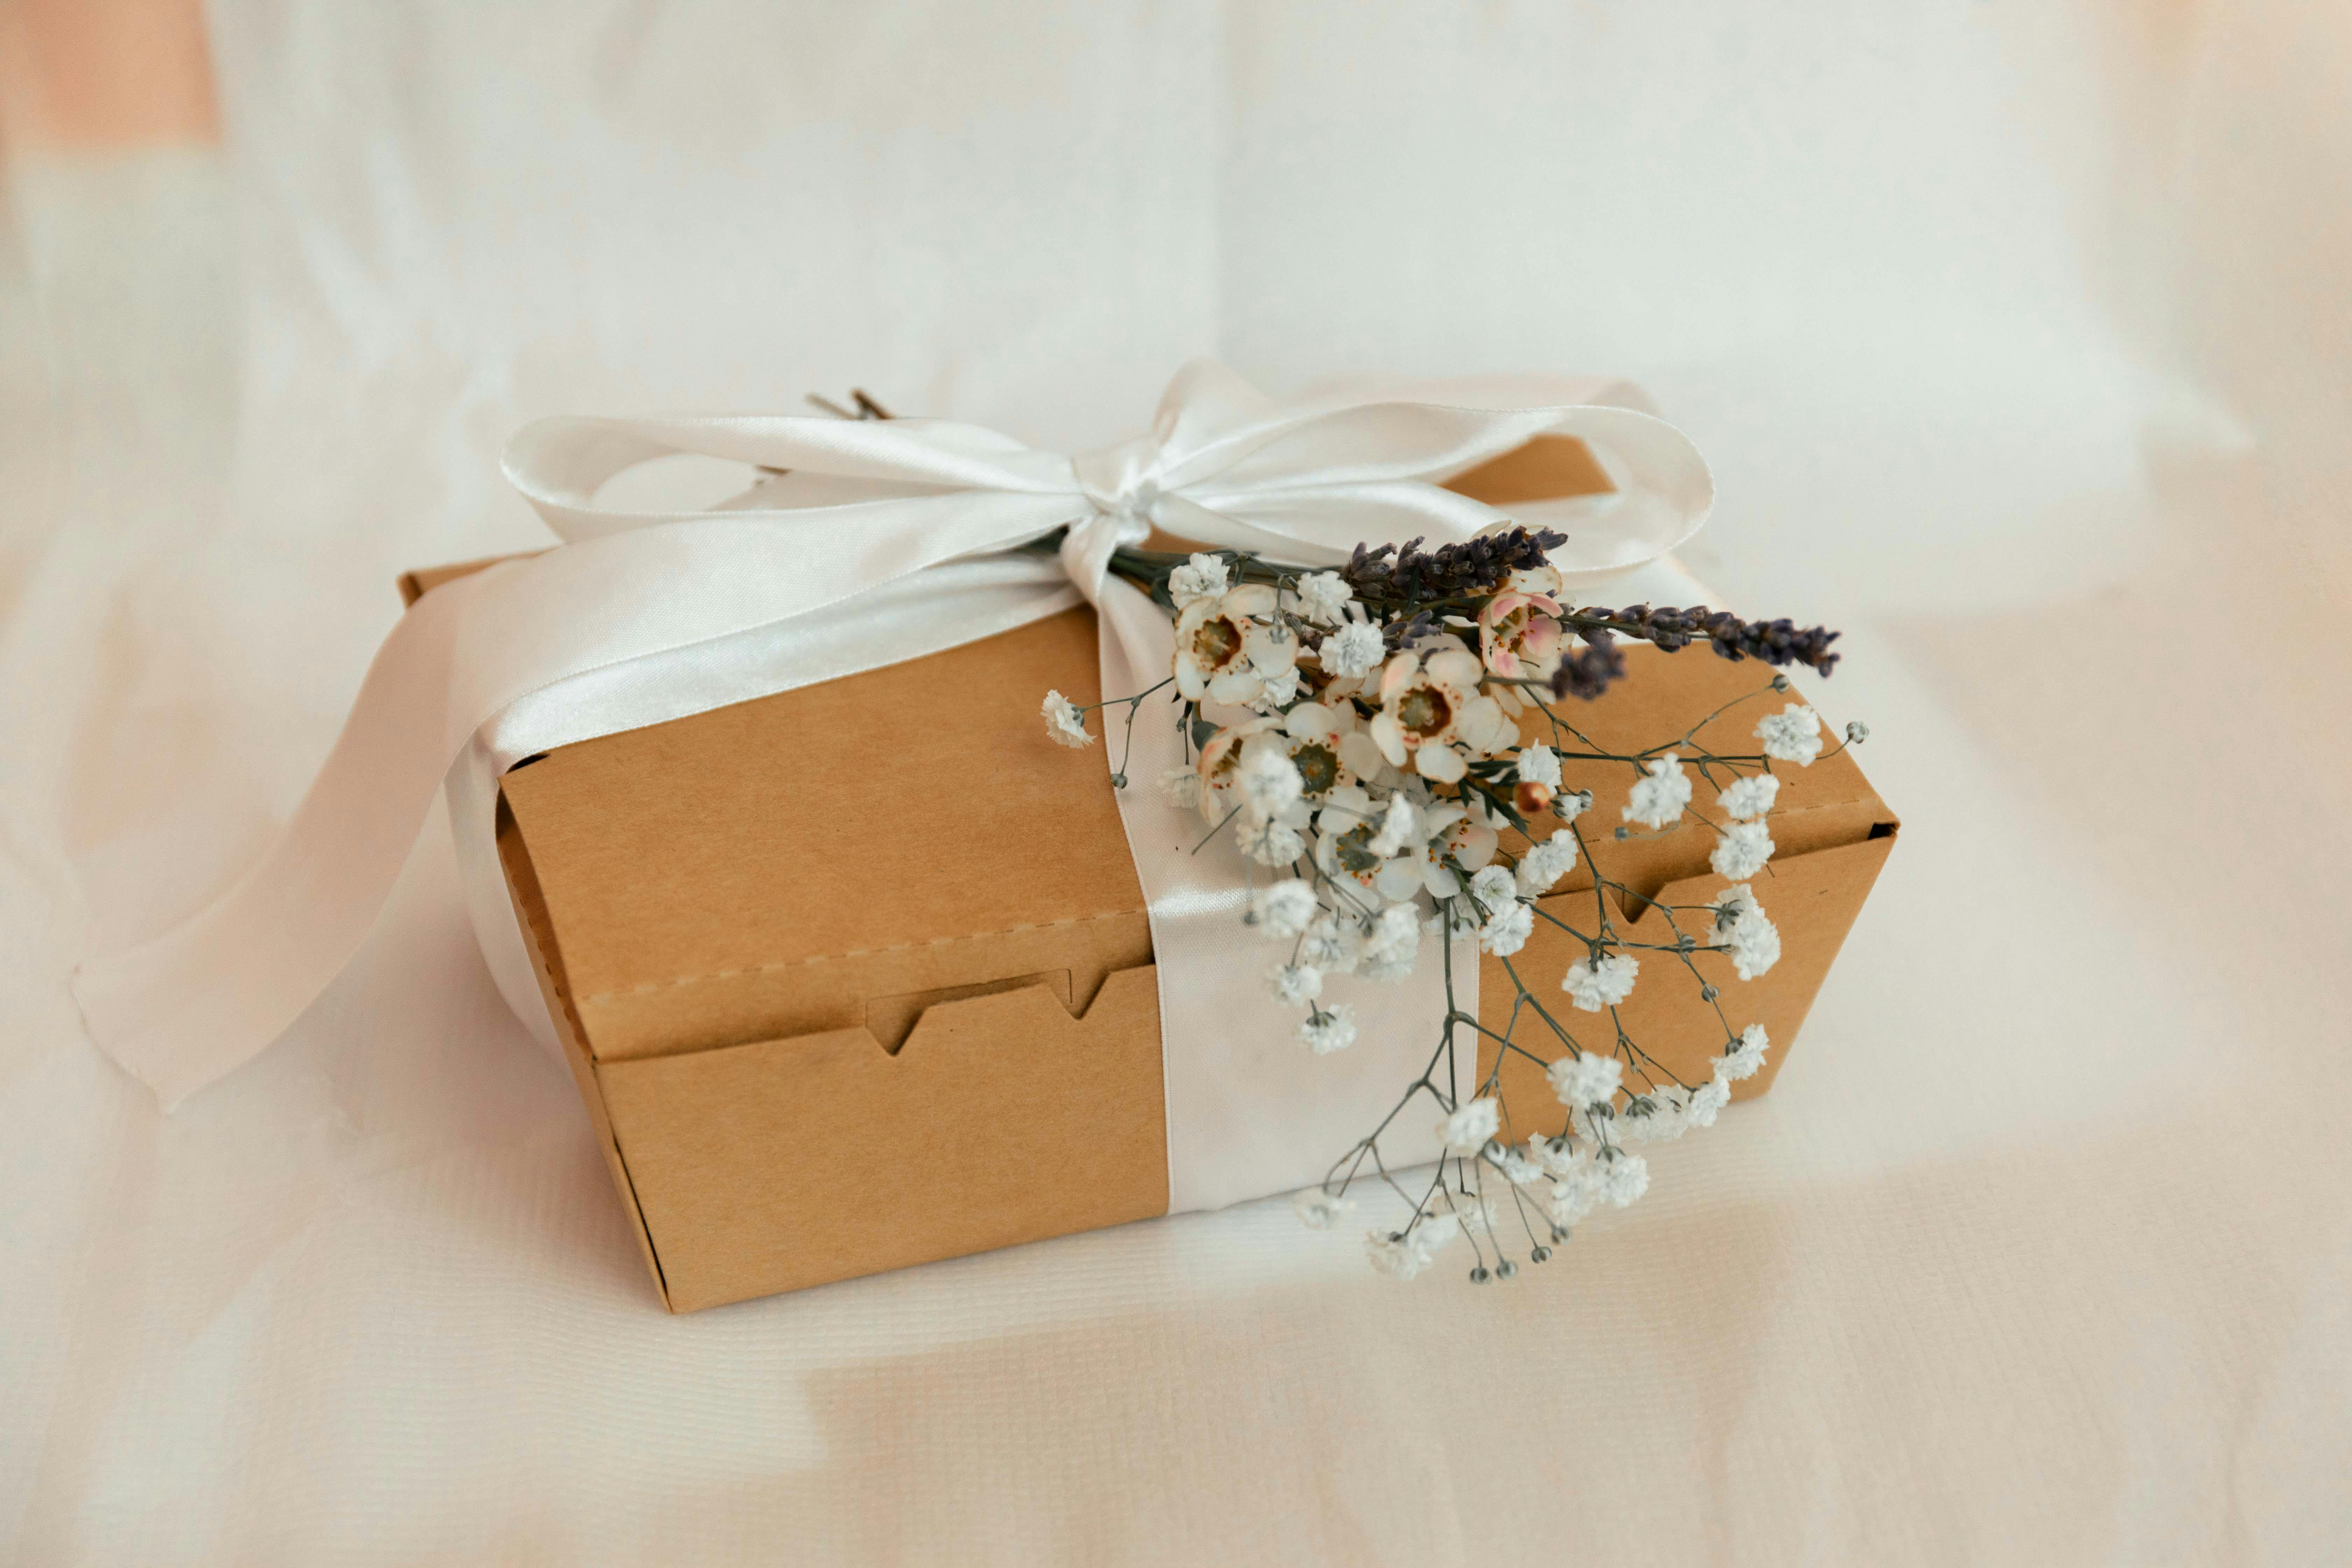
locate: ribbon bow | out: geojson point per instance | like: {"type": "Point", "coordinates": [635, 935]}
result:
{"type": "Point", "coordinates": [868, 541]}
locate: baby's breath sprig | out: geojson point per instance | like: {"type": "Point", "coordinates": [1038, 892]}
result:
{"type": "Point", "coordinates": [1365, 735]}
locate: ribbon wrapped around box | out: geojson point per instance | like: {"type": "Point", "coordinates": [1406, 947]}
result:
{"type": "Point", "coordinates": [758, 827]}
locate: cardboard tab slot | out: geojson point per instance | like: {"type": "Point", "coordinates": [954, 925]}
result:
{"type": "Point", "coordinates": [890, 1019]}
{"type": "Point", "coordinates": [767, 1167]}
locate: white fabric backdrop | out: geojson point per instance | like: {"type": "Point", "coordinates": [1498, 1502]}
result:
{"type": "Point", "coordinates": [2016, 334]}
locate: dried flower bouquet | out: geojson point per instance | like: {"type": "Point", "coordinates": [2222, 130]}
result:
{"type": "Point", "coordinates": [1359, 731]}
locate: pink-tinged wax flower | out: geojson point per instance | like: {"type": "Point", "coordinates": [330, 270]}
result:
{"type": "Point", "coordinates": [1520, 636]}
{"type": "Point", "coordinates": [1220, 767]}
{"type": "Point", "coordinates": [1432, 716]}
{"type": "Point", "coordinates": [1544, 580]}
{"type": "Point", "coordinates": [1312, 736]}
{"type": "Point", "coordinates": [1228, 650]}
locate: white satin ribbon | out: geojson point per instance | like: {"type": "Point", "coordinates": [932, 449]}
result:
{"type": "Point", "coordinates": [880, 541]}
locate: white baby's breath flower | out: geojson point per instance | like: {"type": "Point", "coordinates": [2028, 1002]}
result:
{"type": "Point", "coordinates": [1707, 1100]}
{"type": "Point", "coordinates": [1455, 917]}
{"type": "Point", "coordinates": [1659, 795]}
{"type": "Point", "coordinates": [1595, 986]}
{"type": "Point", "coordinates": [1755, 944]}
{"type": "Point", "coordinates": [1493, 887]}
{"type": "Point", "coordinates": [1655, 1116]}
{"type": "Point", "coordinates": [1538, 764]}
{"type": "Point", "coordinates": [1395, 934]}
{"type": "Point", "coordinates": [1269, 840]}
{"type": "Point", "coordinates": [1573, 1195]}
{"type": "Point", "coordinates": [1269, 781]}
{"type": "Point", "coordinates": [1742, 928]}
{"type": "Point", "coordinates": [1741, 849]}
{"type": "Point", "coordinates": [1749, 796]}
{"type": "Point", "coordinates": [1393, 1256]}
{"type": "Point", "coordinates": [1403, 1257]}
{"type": "Point", "coordinates": [1325, 596]}
{"type": "Point", "coordinates": [1474, 1211]}
{"type": "Point", "coordinates": [1791, 735]}
{"type": "Point", "coordinates": [1562, 1160]}
{"type": "Point", "coordinates": [1064, 722]}
{"type": "Point", "coordinates": [1731, 903]}
{"type": "Point", "coordinates": [1285, 909]}
{"type": "Point", "coordinates": [1202, 577]}
{"type": "Point", "coordinates": [1508, 929]}
{"type": "Point", "coordinates": [1623, 1179]}
{"type": "Point", "coordinates": [1517, 1168]}
{"type": "Point", "coordinates": [1319, 1210]}
{"type": "Point", "coordinates": [1182, 785]}
{"type": "Point", "coordinates": [1331, 944]}
{"type": "Point", "coordinates": [1330, 1030]}
{"type": "Point", "coordinates": [1470, 1129]}
{"type": "Point", "coordinates": [1745, 1058]}
{"type": "Point", "coordinates": [1354, 650]}
{"type": "Point", "coordinates": [1400, 826]}
{"type": "Point", "coordinates": [1547, 862]}
{"type": "Point", "coordinates": [1588, 1078]}
{"type": "Point", "coordinates": [1856, 732]}
{"type": "Point", "coordinates": [1278, 689]}
{"type": "Point", "coordinates": [1569, 807]}
{"type": "Point", "coordinates": [1295, 983]}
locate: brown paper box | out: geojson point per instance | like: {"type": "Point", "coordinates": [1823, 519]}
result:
{"type": "Point", "coordinates": [886, 916]}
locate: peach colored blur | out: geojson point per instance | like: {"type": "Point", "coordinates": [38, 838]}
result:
{"type": "Point", "coordinates": [105, 73]}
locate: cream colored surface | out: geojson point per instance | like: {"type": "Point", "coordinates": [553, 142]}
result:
{"type": "Point", "coordinates": [2017, 337]}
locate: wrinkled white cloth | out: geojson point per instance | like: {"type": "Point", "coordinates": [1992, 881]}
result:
{"type": "Point", "coordinates": [2014, 336]}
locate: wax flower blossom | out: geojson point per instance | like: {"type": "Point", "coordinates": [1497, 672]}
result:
{"type": "Point", "coordinates": [1432, 716]}
{"type": "Point", "coordinates": [1229, 649]}
{"type": "Point", "coordinates": [1393, 746]}
{"type": "Point", "coordinates": [1519, 634]}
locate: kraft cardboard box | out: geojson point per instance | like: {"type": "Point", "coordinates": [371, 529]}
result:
{"type": "Point", "coordinates": [789, 940]}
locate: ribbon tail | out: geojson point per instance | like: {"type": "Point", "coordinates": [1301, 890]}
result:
{"type": "Point", "coordinates": [194, 1004]}
{"type": "Point", "coordinates": [197, 1002]}
{"type": "Point", "coordinates": [1248, 1111]}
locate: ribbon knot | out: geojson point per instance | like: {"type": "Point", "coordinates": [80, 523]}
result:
{"type": "Point", "coordinates": [1122, 483]}
{"type": "Point", "coordinates": [1123, 480]}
